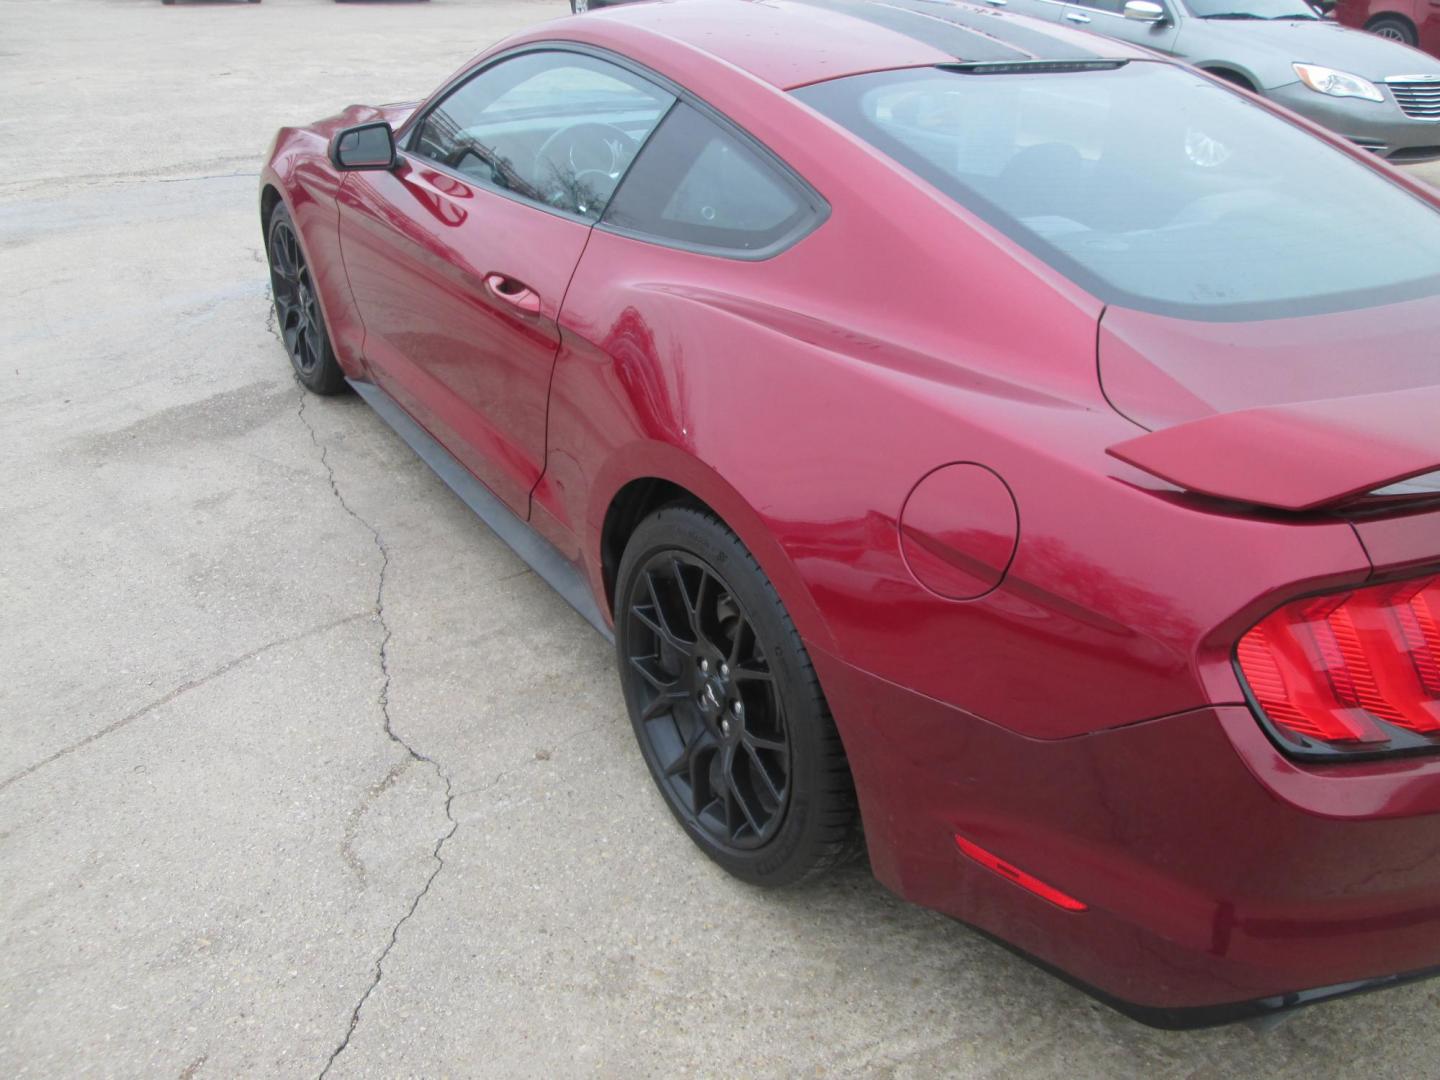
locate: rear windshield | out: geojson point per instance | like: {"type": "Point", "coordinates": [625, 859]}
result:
{"type": "Point", "coordinates": [1151, 187]}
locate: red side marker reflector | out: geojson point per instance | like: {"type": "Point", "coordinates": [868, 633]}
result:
{"type": "Point", "coordinates": [1019, 877]}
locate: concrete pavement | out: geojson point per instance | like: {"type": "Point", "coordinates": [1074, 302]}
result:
{"type": "Point", "coordinates": [301, 768]}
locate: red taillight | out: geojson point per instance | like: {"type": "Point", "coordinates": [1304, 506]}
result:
{"type": "Point", "coordinates": [1358, 672]}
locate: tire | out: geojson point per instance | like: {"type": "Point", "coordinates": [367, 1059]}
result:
{"type": "Point", "coordinates": [1394, 28]}
{"type": "Point", "coordinates": [726, 706]}
{"type": "Point", "coordinates": [299, 322]}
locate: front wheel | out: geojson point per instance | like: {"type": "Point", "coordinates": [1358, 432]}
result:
{"type": "Point", "coordinates": [298, 319]}
{"type": "Point", "coordinates": [725, 703]}
{"type": "Point", "coordinates": [1393, 29]}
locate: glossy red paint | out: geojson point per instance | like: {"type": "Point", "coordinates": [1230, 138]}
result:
{"type": "Point", "coordinates": [299, 171]}
{"type": "Point", "coordinates": [1160, 371]}
{"type": "Point", "coordinates": [422, 247]}
{"type": "Point", "coordinates": [1214, 868]}
{"type": "Point", "coordinates": [958, 531]}
{"type": "Point", "coordinates": [1081, 717]}
{"type": "Point", "coordinates": [1297, 457]}
{"type": "Point", "coordinates": [1419, 17]}
{"type": "Point", "coordinates": [1028, 882]}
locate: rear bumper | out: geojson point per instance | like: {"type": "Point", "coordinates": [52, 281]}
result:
{"type": "Point", "coordinates": [1222, 880]}
{"type": "Point", "coordinates": [1378, 126]}
{"type": "Point", "coordinates": [1190, 1017]}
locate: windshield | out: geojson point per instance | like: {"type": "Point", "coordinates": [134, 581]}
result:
{"type": "Point", "coordinates": [1251, 9]}
{"type": "Point", "coordinates": [1152, 187]}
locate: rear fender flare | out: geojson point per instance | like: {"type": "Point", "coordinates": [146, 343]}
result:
{"type": "Point", "coordinates": [662, 461]}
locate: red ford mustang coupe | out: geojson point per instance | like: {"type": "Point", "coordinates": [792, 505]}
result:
{"type": "Point", "coordinates": [964, 429]}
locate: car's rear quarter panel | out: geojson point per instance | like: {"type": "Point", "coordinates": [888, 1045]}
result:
{"type": "Point", "coordinates": [862, 359]}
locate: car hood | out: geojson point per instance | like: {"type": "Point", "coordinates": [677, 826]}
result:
{"type": "Point", "coordinates": [395, 115]}
{"type": "Point", "coordinates": [1288, 413]}
{"type": "Point", "coordinates": [1268, 48]}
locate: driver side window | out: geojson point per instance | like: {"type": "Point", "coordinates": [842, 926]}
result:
{"type": "Point", "coordinates": [555, 128]}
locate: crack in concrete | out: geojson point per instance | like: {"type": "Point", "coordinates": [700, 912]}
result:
{"type": "Point", "coordinates": [395, 930]}
{"type": "Point", "coordinates": [51, 186]}
{"type": "Point", "coordinates": [352, 824]}
{"type": "Point", "coordinates": [384, 702]}
{"type": "Point", "coordinates": [183, 688]}
{"type": "Point", "coordinates": [184, 179]}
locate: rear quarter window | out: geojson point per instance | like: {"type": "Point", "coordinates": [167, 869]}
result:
{"type": "Point", "coordinates": [698, 186]}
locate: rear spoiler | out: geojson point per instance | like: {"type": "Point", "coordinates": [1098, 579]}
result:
{"type": "Point", "coordinates": [1297, 457]}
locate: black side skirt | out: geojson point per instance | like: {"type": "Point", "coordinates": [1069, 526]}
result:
{"type": "Point", "coordinates": [538, 553]}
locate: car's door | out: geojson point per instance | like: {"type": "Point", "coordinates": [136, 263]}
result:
{"type": "Point", "coordinates": [459, 258]}
{"type": "Point", "coordinates": [1108, 17]}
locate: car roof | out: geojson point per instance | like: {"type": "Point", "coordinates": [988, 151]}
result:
{"type": "Point", "coordinates": [790, 43]}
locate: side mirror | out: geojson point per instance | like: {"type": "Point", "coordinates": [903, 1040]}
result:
{"type": "Point", "coordinates": [364, 146]}
{"type": "Point", "coordinates": [1144, 11]}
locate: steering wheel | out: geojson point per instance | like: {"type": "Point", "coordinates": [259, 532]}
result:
{"type": "Point", "coordinates": [582, 162]}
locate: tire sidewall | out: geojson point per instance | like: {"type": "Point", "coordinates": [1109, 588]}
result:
{"type": "Point", "coordinates": [703, 537]}
{"type": "Point", "coordinates": [327, 376]}
{"type": "Point", "coordinates": [1405, 36]}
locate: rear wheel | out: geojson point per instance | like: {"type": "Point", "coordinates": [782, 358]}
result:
{"type": "Point", "coordinates": [1394, 28]}
{"type": "Point", "coordinates": [725, 703]}
{"type": "Point", "coordinates": [298, 318]}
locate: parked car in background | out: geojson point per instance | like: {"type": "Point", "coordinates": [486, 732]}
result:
{"type": "Point", "coordinates": [1410, 22]}
{"type": "Point", "coordinates": [579, 7]}
{"type": "Point", "coordinates": [1378, 94]}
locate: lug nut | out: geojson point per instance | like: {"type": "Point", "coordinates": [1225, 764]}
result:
{"type": "Point", "coordinates": [724, 671]}
{"type": "Point", "coordinates": [737, 708]}
{"type": "Point", "coordinates": [725, 727]}
{"type": "Point", "coordinates": [704, 665]}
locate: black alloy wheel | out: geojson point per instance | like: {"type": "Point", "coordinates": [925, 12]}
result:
{"type": "Point", "coordinates": [710, 712]}
{"type": "Point", "coordinates": [297, 309]}
{"type": "Point", "coordinates": [725, 705]}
